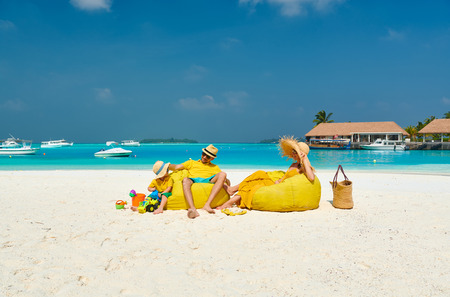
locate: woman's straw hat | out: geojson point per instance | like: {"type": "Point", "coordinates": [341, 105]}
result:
{"type": "Point", "coordinates": [211, 151]}
{"type": "Point", "coordinates": [289, 143]}
{"type": "Point", "coordinates": [160, 168]}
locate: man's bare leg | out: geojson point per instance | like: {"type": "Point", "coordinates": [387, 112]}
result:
{"type": "Point", "coordinates": [192, 211]}
{"type": "Point", "coordinates": [218, 180]}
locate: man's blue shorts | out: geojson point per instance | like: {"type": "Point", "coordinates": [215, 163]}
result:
{"type": "Point", "coordinates": [201, 180]}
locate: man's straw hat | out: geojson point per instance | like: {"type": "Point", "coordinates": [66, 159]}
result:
{"type": "Point", "coordinates": [211, 151]}
{"type": "Point", "coordinates": [160, 168]}
{"type": "Point", "coordinates": [289, 143]}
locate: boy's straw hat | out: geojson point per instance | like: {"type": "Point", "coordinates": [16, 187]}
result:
{"type": "Point", "coordinates": [289, 143]}
{"type": "Point", "coordinates": [211, 151]}
{"type": "Point", "coordinates": [160, 168]}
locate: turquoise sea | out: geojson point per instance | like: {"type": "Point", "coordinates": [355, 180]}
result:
{"type": "Point", "coordinates": [230, 156]}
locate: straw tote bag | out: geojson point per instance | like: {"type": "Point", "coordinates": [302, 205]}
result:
{"type": "Point", "coordinates": [342, 191]}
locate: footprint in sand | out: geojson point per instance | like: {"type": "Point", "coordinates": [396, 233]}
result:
{"type": "Point", "coordinates": [83, 280]}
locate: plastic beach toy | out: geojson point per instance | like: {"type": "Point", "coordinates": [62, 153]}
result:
{"type": "Point", "coordinates": [120, 204]}
{"type": "Point", "coordinates": [232, 213]}
{"type": "Point", "coordinates": [142, 206]}
{"type": "Point", "coordinates": [148, 205]}
{"type": "Point", "coordinates": [137, 198]}
{"type": "Point", "coordinates": [132, 193]}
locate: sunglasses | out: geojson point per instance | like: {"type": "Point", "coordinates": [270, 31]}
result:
{"type": "Point", "coordinates": [207, 157]}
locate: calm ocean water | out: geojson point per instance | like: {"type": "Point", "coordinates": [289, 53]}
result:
{"type": "Point", "coordinates": [230, 156]}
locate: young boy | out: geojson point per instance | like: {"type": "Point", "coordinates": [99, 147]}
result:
{"type": "Point", "coordinates": [162, 183]}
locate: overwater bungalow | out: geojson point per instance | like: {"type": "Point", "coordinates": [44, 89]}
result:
{"type": "Point", "coordinates": [363, 132]}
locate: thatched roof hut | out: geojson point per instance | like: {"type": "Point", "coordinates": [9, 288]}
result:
{"type": "Point", "coordinates": [437, 126]}
{"type": "Point", "coordinates": [362, 131]}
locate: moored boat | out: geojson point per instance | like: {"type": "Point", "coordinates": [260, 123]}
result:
{"type": "Point", "coordinates": [330, 144]}
{"type": "Point", "coordinates": [130, 143]}
{"type": "Point", "coordinates": [385, 145]}
{"type": "Point", "coordinates": [55, 143]}
{"type": "Point", "coordinates": [10, 142]}
{"type": "Point", "coordinates": [113, 152]}
{"type": "Point", "coordinates": [16, 146]}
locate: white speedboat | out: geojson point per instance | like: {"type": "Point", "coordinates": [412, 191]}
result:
{"type": "Point", "coordinates": [113, 152]}
{"type": "Point", "coordinates": [19, 147]}
{"type": "Point", "coordinates": [10, 142]}
{"type": "Point", "coordinates": [55, 143]}
{"type": "Point", "coordinates": [385, 145]}
{"type": "Point", "coordinates": [130, 143]}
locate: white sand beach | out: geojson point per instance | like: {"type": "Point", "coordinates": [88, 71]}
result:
{"type": "Point", "coordinates": [62, 236]}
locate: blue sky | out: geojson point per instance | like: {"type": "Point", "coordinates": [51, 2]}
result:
{"type": "Point", "coordinates": [217, 71]}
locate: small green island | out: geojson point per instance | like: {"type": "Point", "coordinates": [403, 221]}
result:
{"type": "Point", "coordinates": [168, 140]}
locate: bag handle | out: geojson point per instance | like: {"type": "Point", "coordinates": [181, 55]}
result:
{"type": "Point", "coordinates": [336, 176]}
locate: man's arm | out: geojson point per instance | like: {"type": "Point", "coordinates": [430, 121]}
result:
{"type": "Point", "coordinates": [175, 167]}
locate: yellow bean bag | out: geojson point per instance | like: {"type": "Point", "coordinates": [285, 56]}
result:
{"type": "Point", "coordinates": [296, 193]}
{"type": "Point", "coordinates": [200, 193]}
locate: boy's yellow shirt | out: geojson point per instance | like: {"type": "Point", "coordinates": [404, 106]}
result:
{"type": "Point", "coordinates": [161, 183]}
{"type": "Point", "coordinates": [198, 169]}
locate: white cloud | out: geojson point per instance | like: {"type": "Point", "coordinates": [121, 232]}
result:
{"type": "Point", "coordinates": [204, 103]}
{"type": "Point", "coordinates": [13, 105]}
{"type": "Point", "coordinates": [291, 8]}
{"type": "Point", "coordinates": [232, 100]}
{"type": "Point", "coordinates": [92, 4]}
{"type": "Point", "coordinates": [195, 73]}
{"type": "Point", "coordinates": [228, 43]}
{"type": "Point", "coordinates": [394, 35]}
{"type": "Point", "coordinates": [251, 4]}
{"type": "Point", "coordinates": [324, 5]}
{"type": "Point", "coordinates": [445, 100]}
{"type": "Point", "coordinates": [6, 25]}
{"type": "Point", "coordinates": [104, 95]}
{"type": "Point", "coordinates": [236, 99]}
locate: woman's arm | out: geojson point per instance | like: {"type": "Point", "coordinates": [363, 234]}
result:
{"type": "Point", "coordinates": [307, 168]}
{"type": "Point", "coordinates": [294, 166]}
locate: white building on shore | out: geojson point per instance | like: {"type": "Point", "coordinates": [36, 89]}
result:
{"type": "Point", "coordinates": [358, 132]}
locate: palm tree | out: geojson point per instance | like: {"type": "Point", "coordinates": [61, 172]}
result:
{"type": "Point", "coordinates": [447, 115]}
{"type": "Point", "coordinates": [412, 131]}
{"type": "Point", "coordinates": [322, 117]}
{"type": "Point", "coordinates": [429, 120]}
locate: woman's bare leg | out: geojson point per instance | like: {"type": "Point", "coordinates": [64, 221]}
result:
{"type": "Point", "coordinates": [231, 190]}
{"type": "Point", "coordinates": [229, 203]}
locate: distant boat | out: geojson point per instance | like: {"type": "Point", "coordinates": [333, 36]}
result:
{"type": "Point", "coordinates": [130, 143]}
{"type": "Point", "coordinates": [330, 144]}
{"type": "Point", "coordinates": [385, 145]}
{"type": "Point", "coordinates": [55, 143]}
{"type": "Point", "coordinates": [10, 143]}
{"type": "Point", "coordinates": [14, 146]}
{"type": "Point", "coordinates": [113, 152]}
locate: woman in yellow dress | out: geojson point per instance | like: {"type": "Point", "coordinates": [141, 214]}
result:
{"type": "Point", "coordinates": [289, 147]}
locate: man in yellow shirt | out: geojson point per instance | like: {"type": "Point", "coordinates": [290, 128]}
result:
{"type": "Point", "coordinates": [201, 171]}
